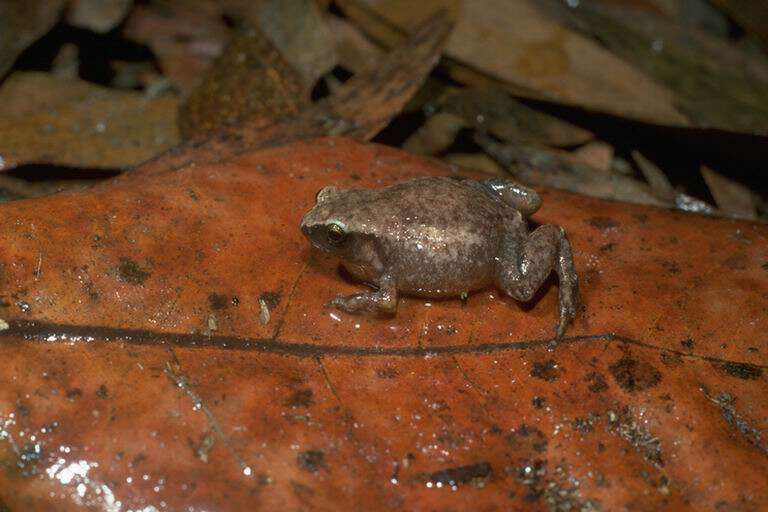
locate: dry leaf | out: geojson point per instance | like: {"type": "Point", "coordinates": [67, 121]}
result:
{"type": "Point", "coordinates": [250, 82]}
{"type": "Point", "coordinates": [22, 22]}
{"type": "Point", "coordinates": [359, 109]}
{"type": "Point", "coordinates": [540, 167]}
{"type": "Point", "coordinates": [75, 123]}
{"type": "Point", "coordinates": [97, 15]}
{"type": "Point", "coordinates": [299, 32]}
{"type": "Point", "coordinates": [731, 197]}
{"type": "Point", "coordinates": [517, 43]}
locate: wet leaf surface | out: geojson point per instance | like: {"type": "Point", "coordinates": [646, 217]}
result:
{"type": "Point", "coordinates": [75, 123]}
{"type": "Point", "coordinates": [138, 368]}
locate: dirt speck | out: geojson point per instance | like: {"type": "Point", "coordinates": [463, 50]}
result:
{"type": "Point", "coordinates": [271, 299]}
{"type": "Point", "coordinates": [300, 398]}
{"type": "Point", "coordinates": [526, 438]}
{"type": "Point", "coordinates": [130, 272]}
{"type": "Point", "coordinates": [634, 375]}
{"type": "Point", "coordinates": [387, 372]}
{"type": "Point", "coordinates": [218, 301]}
{"type": "Point", "coordinates": [102, 392]}
{"type": "Point", "coordinates": [597, 383]}
{"type": "Point", "coordinates": [74, 393]}
{"type": "Point", "coordinates": [744, 371]}
{"type": "Point", "coordinates": [311, 461]}
{"type": "Point", "coordinates": [546, 370]}
{"type": "Point", "coordinates": [603, 223]}
{"type": "Point", "coordinates": [476, 474]}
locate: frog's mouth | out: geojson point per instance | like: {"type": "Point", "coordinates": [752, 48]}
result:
{"type": "Point", "coordinates": [315, 233]}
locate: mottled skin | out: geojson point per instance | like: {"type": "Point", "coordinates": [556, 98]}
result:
{"type": "Point", "coordinates": [441, 237]}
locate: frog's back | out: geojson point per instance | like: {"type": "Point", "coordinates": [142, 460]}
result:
{"type": "Point", "coordinates": [437, 202]}
{"type": "Point", "coordinates": [439, 235]}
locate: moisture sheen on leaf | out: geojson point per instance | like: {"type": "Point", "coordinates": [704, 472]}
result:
{"type": "Point", "coordinates": [139, 367]}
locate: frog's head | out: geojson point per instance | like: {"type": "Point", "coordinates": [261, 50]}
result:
{"type": "Point", "coordinates": [333, 224]}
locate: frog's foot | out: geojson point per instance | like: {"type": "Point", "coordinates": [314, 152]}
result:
{"type": "Point", "coordinates": [383, 300]}
{"type": "Point", "coordinates": [525, 266]}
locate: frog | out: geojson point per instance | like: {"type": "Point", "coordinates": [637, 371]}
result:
{"type": "Point", "coordinates": [441, 237]}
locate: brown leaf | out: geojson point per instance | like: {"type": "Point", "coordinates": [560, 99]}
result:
{"type": "Point", "coordinates": [715, 85]}
{"type": "Point", "coordinates": [540, 167]}
{"type": "Point", "coordinates": [299, 32]}
{"type": "Point", "coordinates": [136, 368]}
{"type": "Point", "coordinates": [74, 123]}
{"type": "Point", "coordinates": [97, 15]}
{"type": "Point", "coordinates": [518, 45]}
{"type": "Point", "coordinates": [731, 197]}
{"type": "Point", "coordinates": [359, 109]}
{"type": "Point", "coordinates": [752, 16]}
{"type": "Point", "coordinates": [250, 82]}
{"type": "Point", "coordinates": [22, 22]}
{"type": "Point", "coordinates": [494, 110]}
{"type": "Point", "coordinates": [186, 36]}
{"type": "Point", "coordinates": [356, 52]}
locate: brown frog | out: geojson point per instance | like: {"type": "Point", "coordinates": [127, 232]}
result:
{"type": "Point", "coordinates": [441, 237]}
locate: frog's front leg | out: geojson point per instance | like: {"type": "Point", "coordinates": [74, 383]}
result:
{"type": "Point", "coordinates": [525, 264]}
{"type": "Point", "coordinates": [523, 199]}
{"type": "Point", "coordinates": [383, 300]}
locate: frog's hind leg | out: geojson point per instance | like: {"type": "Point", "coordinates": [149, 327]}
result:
{"type": "Point", "coordinates": [521, 198]}
{"type": "Point", "coordinates": [525, 264]}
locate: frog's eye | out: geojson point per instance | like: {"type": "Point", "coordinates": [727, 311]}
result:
{"type": "Point", "coordinates": [336, 234]}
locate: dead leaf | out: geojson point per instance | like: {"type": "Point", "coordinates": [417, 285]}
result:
{"type": "Point", "coordinates": [715, 85]}
{"type": "Point", "coordinates": [597, 154]}
{"type": "Point", "coordinates": [250, 81]}
{"type": "Point", "coordinates": [493, 110]}
{"type": "Point", "coordinates": [299, 32]}
{"type": "Point", "coordinates": [187, 35]}
{"type": "Point", "coordinates": [362, 107]}
{"type": "Point", "coordinates": [97, 15]}
{"type": "Point", "coordinates": [517, 44]}
{"type": "Point", "coordinates": [731, 197]}
{"type": "Point", "coordinates": [752, 16]}
{"type": "Point", "coordinates": [22, 22]}
{"type": "Point", "coordinates": [109, 374]}
{"type": "Point", "coordinates": [435, 135]}
{"type": "Point", "coordinates": [355, 51]}
{"type": "Point", "coordinates": [75, 123]}
{"type": "Point", "coordinates": [544, 168]}
{"type": "Point", "coordinates": [655, 177]}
